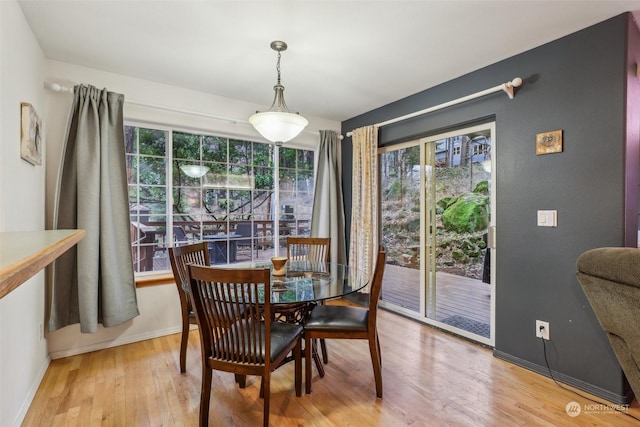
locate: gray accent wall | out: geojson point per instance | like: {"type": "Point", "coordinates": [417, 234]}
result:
{"type": "Point", "coordinates": [586, 85]}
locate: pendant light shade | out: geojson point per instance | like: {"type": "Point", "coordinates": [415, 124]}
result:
{"type": "Point", "coordinates": [278, 125]}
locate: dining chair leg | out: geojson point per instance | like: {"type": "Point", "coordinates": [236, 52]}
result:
{"type": "Point", "coordinates": [205, 396]}
{"type": "Point", "coordinates": [375, 360]}
{"type": "Point", "coordinates": [267, 394]}
{"type": "Point", "coordinates": [298, 367]}
{"type": "Point", "coordinates": [183, 345]}
{"type": "Point", "coordinates": [379, 352]}
{"type": "Point", "coordinates": [316, 358]}
{"type": "Point", "coordinates": [307, 364]}
{"type": "Point", "coordinates": [323, 347]}
{"type": "Point", "coordinates": [241, 380]}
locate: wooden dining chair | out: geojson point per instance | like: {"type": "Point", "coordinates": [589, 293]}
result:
{"type": "Point", "coordinates": [345, 322]}
{"type": "Point", "coordinates": [314, 249]}
{"type": "Point", "coordinates": [308, 248]}
{"type": "Point", "coordinates": [180, 256]}
{"type": "Point", "coordinates": [250, 344]}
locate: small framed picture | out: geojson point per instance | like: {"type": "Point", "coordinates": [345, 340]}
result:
{"type": "Point", "coordinates": [549, 142]}
{"type": "Point", "coordinates": [30, 134]}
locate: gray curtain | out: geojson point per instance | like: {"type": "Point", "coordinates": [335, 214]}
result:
{"type": "Point", "coordinates": [94, 282]}
{"type": "Point", "coordinates": [327, 219]}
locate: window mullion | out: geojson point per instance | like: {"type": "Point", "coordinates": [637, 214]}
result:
{"type": "Point", "coordinates": [276, 200]}
{"type": "Point", "coordinates": [169, 180]}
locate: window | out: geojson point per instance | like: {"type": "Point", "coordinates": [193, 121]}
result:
{"type": "Point", "coordinates": [188, 187]}
{"type": "Point", "coordinates": [479, 149]}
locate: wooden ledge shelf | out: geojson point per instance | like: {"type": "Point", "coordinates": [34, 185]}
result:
{"type": "Point", "coordinates": [24, 253]}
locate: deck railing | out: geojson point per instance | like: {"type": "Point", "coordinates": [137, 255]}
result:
{"type": "Point", "coordinates": [150, 237]}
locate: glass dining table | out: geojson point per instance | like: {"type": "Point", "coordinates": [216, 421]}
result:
{"type": "Point", "coordinates": [306, 283]}
{"type": "Point", "coordinates": [312, 282]}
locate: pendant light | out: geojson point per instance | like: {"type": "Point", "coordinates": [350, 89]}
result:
{"type": "Point", "coordinates": [278, 125]}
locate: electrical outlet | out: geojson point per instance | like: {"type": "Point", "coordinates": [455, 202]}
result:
{"type": "Point", "coordinates": [542, 329]}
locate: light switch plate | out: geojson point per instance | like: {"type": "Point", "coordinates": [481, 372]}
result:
{"type": "Point", "coordinates": [547, 218]}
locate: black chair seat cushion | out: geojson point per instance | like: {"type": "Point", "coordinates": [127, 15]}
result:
{"type": "Point", "coordinates": [282, 336]}
{"type": "Point", "coordinates": [336, 318]}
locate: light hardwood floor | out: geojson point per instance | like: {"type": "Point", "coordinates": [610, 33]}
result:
{"type": "Point", "coordinates": [430, 379]}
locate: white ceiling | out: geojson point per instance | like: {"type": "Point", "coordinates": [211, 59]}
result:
{"type": "Point", "coordinates": [344, 58]}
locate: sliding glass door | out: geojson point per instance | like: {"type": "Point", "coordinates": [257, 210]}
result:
{"type": "Point", "coordinates": [436, 216]}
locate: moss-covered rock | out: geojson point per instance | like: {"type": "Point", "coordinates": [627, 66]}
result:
{"type": "Point", "coordinates": [469, 213]}
{"type": "Point", "coordinates": [467, 245]}
{"type": "Point", "coordinates": [441, 205]}
{"type": "Point", "coordinates": [481, 243]}
{"type": "Point", "coordinates": [482, 187]}
{"type": "Point", "coordinates": [459, 256]}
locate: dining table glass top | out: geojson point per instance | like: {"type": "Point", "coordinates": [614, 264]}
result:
{"type": "Point", "coordinates": [309, 281]}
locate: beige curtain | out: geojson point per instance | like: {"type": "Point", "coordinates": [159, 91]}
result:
{"type": "Point", "coordinates": [327, 219]}
{"type": "Point", "coordinates": [364, 212]}
{"type": "Point", "coordinates": [94, 282]}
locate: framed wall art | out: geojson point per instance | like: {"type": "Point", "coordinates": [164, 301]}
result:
{"type": "Point", "coordinates": [549, 142]}
{"type": "Point", "coordinates": [30, 134]}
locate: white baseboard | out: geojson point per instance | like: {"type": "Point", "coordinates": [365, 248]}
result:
{"type": "Point", "coordinates": [114, 343]}
{"type": "Point", "coordinates": [31, 394]}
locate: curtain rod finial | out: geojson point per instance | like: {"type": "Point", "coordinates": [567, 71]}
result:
{"type": "Point", "coordinates": [508, 86]}
{"type": "Point", "coordinates": [57, 87]}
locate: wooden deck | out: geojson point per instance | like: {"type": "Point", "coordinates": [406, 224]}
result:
{"type": "Point", "coordinates": [455, 295]}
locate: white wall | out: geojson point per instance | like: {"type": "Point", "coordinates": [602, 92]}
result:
{"type": "Point", "coordinates": [23, 354]}
{"type": "Point", "coordinates": [159, 306]}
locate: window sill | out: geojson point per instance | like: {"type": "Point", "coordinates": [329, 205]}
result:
{"type": "Point", "coordinates": [153, 280]}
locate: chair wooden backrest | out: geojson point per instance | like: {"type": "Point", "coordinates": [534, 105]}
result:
{"type": "Point", "coordinates": [376, 287]}
{"type": "Point", "coordinates": [180, 256]}
{"type": "Point", "coordinates": [308, 248]}
{"type": "Point", "coordinates": [231, 342]}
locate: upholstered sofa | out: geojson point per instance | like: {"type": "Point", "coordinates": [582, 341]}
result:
{"type": "Point", "coordinates": [610, 278]}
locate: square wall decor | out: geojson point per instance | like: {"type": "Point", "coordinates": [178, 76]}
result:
{"type": "Point", "coordinates": [549, 142]}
